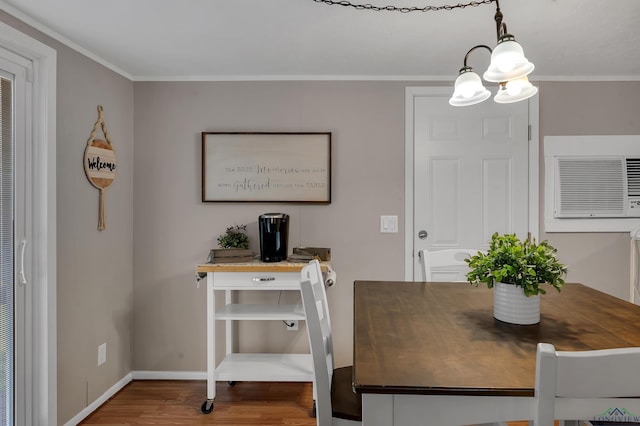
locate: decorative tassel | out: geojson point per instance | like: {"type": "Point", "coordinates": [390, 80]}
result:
{"type": "Point", "coordinates": [101, 219]}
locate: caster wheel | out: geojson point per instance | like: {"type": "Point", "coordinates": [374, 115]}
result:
{"type": "Point", "coordinates": [207, 406]}
{"type": "Point", "coordinates": [231, 383]}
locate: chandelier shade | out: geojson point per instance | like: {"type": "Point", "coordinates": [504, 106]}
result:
{"type": "Point", "coordinates": [468, 89]}
{"type": "Point", "coordinates": [508, 61]}
{"type": "Point", "coordinates": [515, 91]}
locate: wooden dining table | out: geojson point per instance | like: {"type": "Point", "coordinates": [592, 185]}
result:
{"type": "Point", "coordinates": [431, 353]}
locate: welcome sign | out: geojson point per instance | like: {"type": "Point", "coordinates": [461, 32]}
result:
{"type": "Point", "coordinates": [100, 164]}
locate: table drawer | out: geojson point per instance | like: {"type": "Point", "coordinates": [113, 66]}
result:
{"type": "Point", "coordinates": [257, 280]}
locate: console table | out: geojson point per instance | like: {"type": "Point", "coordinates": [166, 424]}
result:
{"type": "Point", "coordinates": [256, 275]}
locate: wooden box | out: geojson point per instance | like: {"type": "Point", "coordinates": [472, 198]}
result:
{"type": "Point", "coordinates": [322, 253]}
{"type": "Point", "coordinates": [231, 255]}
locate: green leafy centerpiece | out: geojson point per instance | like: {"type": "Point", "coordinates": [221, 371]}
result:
{"type": "Point", "coordinates": [517, 269]}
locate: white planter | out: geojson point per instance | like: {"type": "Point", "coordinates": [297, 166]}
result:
{"type": "Point", "coordinates": [512, 306]}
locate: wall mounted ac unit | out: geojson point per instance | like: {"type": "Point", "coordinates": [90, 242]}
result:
{"type": "Point", "coordinates": [592, 183]}
{"type": "Point", "coordinates": [593, 186]}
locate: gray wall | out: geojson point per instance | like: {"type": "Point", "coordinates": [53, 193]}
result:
{"type": "Point", "coordinates": [174, 230]}
{"type": "Point", "coordinates": [95, 269]}
{"type": "Point", "coordinates": [600, 260]}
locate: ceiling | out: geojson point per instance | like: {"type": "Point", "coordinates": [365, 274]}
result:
{"type": "Point", "coordinates": [305, 39]}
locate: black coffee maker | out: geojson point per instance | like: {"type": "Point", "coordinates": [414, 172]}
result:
{"type": "Point", "coordinates": [274, 235]}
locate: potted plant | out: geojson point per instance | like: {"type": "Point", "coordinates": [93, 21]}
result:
{"type": "Point", "coordinates": [234, 237]}
{"type": "Point", "coordinates": [518, 270]}
{"type": "Point", "coordinates": [234, 246]}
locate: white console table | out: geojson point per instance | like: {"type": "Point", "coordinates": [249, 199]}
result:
{"type": "Point", "coordinates": [255, 275]}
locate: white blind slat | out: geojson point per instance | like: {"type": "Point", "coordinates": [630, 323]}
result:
{"type": "Point", "coordinates": [6, 253]}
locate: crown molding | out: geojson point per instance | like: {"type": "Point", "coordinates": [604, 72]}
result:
{"type": "Point", "coordinates": [18, 14]}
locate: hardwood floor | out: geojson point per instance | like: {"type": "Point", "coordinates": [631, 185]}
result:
{"type": "Point", "coordinates": [177, 402]}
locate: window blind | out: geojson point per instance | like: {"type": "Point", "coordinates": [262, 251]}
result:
{"type": "Point", "coordinates": [6, 253]}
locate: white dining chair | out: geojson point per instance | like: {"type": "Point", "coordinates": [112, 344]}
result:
{"type": "Point", "coordinates": [336, 403]}
{"type": "Point", "coordinates": [445, 265]}
{"type": "Point", "coordinates": [598, 386]}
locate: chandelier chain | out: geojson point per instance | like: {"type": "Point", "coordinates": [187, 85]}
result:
{"type": "Point", "coordinates": [403, 9]}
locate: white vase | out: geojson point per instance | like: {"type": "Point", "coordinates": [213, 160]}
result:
{"type": "Point", "coordinates": [511, 305]}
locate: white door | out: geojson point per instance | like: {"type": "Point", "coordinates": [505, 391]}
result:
{"type": "Point", "coordinates": [27, 224]}
{"type": "Point", "coordinates": [14, 330]}
{"type": "Point", "coordinates": [471, 173]}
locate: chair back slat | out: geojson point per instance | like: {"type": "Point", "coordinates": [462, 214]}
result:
{"type": "Point", "coordinates": [314, 300]}
{"type": "Point", "coordinates": [611, 373]}
{"type": "Point", "coordinates": [445, 265]}
{"type": "Point", "coordinates": [600, 385]}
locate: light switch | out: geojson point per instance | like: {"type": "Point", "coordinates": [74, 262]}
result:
{"type": "Point", "coordinates": [389, 224]}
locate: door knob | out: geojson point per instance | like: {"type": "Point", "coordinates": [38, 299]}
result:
{"type": "Point", "coordinates": [422, 235]}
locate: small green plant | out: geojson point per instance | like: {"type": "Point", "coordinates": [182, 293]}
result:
{"type": "Point", "coordinates": [523, 263]}
{"type": "Point", "coordinates": [234, 237]}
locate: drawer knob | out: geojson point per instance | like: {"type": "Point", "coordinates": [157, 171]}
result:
{"type": "Point", "coordinates": [262, 279]}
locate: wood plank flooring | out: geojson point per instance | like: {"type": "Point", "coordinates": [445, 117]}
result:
{"type": "Point", "coordinates": [177, 402]}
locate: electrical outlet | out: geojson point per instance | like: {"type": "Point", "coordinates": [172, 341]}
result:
{"type": "Point", "coordinates": [102, 354]}
{"type": "Point", "coordinates": [292, 325]}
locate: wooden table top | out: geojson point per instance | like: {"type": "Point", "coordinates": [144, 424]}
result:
{"type": "Point", "coordinates": [441, 338]}
{"type": "Point", "coordinates": [257, 266]}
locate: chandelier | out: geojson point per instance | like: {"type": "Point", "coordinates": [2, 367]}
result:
{"type": "Point", "coordinates": [509, 67]}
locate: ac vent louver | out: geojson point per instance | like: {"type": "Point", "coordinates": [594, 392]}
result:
{"type": "Point", "coordinates": [591, 187]}
{"type": "Point", "coordinates": [633, 177]}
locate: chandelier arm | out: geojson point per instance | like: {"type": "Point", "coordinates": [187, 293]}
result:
{"type": "Point", "coordinates": [501, 28]}
{"type": "Point", "coordinates": [503, 31]}
{"type": "Point", "coordinates": [474, 48]}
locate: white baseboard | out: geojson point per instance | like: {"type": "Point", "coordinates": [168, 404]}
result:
{"type": "Point", "coordinates": [101, 400]}
{"type": "Point", "coordinates": [169, 375]}
{"type": "Point", "coordinates": [135, 375]}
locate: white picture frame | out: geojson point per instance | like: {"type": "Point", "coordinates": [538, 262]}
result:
{"type": "Point", "coordinates": [266, 167]}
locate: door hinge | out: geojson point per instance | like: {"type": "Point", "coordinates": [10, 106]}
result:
{"type": "Point", "coordinates": [529, 132]}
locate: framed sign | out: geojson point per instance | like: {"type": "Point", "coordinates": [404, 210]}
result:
{"type": "Point", "coordinates": [266, 167]}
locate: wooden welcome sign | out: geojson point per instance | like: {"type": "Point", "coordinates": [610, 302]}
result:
{"type": "Point", "coordinates": [100, 163]}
